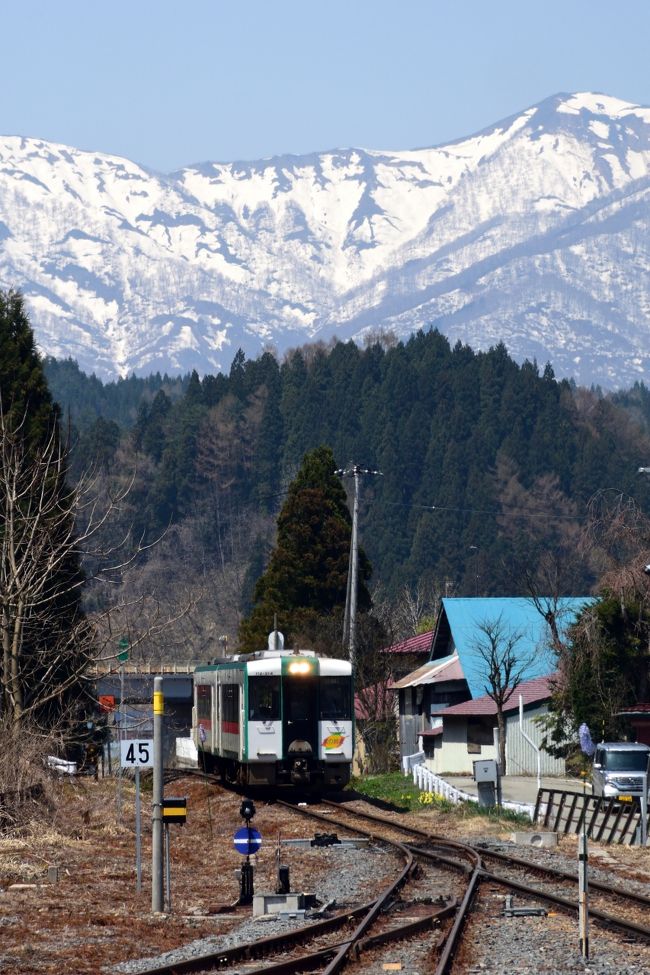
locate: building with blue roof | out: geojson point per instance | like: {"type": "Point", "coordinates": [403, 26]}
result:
{"type": "Point", "coordinates": [455, 671]}
{"type": "Point", "coordinates": [458, 630]}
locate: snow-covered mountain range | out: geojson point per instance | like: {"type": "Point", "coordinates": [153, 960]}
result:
{"type": "Point", "coordinates": [533, 232]}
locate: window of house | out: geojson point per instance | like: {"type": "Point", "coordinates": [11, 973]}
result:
{"type": "Point", "coordinates": [479, 732]}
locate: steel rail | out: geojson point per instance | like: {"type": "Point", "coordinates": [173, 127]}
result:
{"type": "Point", "coordinates": [629, 927]}
{"type": "Point", "coordinates": [454, 937]}
{"type": "Point", "coordinates": [465, 849]}
{"type": "Point", "coordinates": [603, 916]}
{"type": "Point", "coordinates": [631, 895]}
{"type": "Point", "coordinates": [452, 941]}
{"type": "Point", "coordinates": [338, 961]}
{"type": "Point", "coordinates": [257, 949]}
{"type": "Point", "coordinates": [310, 961]}
{"type": "Point", "coordinates": [302, 963]}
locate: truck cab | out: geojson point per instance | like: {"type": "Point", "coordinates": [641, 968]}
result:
{"type": "Point", "coordinates": [618, 769]}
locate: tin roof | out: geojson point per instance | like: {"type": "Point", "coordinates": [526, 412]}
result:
{"type": "Point", "coordinates": [531, 692]}
{"type": "Point", "coordinates": [431, 732]}
{"type": "Point", "coordinates": [420, 643]}
{"type": "Point", "coordinates": [459, 628]}
{"type": "Point", "coordinates": [448, 668]}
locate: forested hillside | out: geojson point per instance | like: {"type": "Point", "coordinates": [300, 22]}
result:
{"type": "Point", "coordinates": [487, 468]}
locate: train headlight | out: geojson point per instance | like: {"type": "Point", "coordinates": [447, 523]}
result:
{"type": "Point", "coordinates": [299, 667]}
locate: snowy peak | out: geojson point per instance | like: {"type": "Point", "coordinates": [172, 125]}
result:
{"type": "Point", "coordinates": [533, 231]}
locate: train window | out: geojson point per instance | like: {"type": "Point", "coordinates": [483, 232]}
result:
{"type": "Point", "coordinates": [230, 707]}
{"type": "Point", "coordinates": [203, 701]}
{"type": "Point", "coordinates": [335, 699]}
{"type": "Point", "coordinates": [264, 699]}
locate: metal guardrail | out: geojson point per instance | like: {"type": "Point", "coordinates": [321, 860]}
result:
{"type": "Point", "coordinates": [606, 820]}
{"type": "Point", "coordinates": [106, 667]}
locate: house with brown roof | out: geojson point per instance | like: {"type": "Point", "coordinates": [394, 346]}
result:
{"type": "Point", "coordinates": [408, 654]}
{"type": "Point", "coordinates": [454, 677]}
{"type": "Point", "coordinates": [468, 732]}
{"type": "Point", "coordinates": [639, 717]}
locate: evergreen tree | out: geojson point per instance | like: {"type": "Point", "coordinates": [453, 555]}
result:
{"type": "Point", "coordinates": [305, 583]}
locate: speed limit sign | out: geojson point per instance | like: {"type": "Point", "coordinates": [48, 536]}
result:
{"type": "Point", "coordinates": [136, 753]}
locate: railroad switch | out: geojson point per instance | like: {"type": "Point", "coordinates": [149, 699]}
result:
{"type": "Point", "coordinates": [510, 911]}
{"type": "Point", "coordinates": [325, 839]}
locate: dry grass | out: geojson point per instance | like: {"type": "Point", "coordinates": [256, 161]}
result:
{"type": "Point", "coordinates": [93, 917]}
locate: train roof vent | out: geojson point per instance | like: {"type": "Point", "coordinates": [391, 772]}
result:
{"type": "Point", "coordinates": [276, 640]}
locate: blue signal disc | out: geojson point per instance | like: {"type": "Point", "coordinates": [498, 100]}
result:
{"type": "Point", "coordinates": [247, 840]}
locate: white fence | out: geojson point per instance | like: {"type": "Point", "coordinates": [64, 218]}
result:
{"type": "Point", "coordinates": [428, 781]}
{"type": "Point", "coordinates": [410, 761]}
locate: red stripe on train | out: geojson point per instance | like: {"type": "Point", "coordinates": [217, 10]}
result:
{"type": "Point", "coordinates": [230, 727]}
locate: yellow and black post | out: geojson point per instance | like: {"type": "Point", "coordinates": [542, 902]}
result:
{"type": "Point", "coordinates": [174, 810]}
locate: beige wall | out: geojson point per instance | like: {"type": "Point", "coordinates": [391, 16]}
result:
{"type": "Point", "coordinates": [452, 755]}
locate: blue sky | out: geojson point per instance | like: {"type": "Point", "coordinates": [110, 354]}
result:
{"type": "Point", "coordinates": [167, 84]}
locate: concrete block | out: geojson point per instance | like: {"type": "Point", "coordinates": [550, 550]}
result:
{"type": "Point", "coordinates": [534, 839]}
{"type": "Point", "coordinates": [277, 903]}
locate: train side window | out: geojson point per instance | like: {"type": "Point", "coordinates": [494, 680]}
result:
{"type": "Point", "coordinates": [203, 701]}
{"type": "Point", "coordinates": [264, 699]}
{"type": "Point", "coordinates": [230, 704]}
{"type": "Point", "coordinates": [335, 699]}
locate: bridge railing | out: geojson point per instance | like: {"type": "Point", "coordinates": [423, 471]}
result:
{"type": "Point", "coordinates": [105, 667]}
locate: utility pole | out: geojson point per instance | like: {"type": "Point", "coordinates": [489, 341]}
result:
{"type": "Point", "coordinates": [350, 617]}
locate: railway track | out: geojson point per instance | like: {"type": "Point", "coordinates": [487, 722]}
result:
{"type": "Point", "coordinates": [556, 887]}
{"type": "Point", "coordinates": [404, 909]}
{"type": "Point", "coordinates": [427, 906]}
{"type": "Point", "coordinates": [633, 904]}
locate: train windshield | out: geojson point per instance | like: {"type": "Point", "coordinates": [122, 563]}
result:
{"type": "Point", "coordinates": [335, 702]}
{"type": "Point", "coordinates": [264, 699]}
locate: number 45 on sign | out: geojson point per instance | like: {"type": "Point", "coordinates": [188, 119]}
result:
{"type": "Point", "coordinates": [136, 753]}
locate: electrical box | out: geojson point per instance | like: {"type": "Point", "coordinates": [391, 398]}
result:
{"type": "Point", "coordinates": [486, 771]}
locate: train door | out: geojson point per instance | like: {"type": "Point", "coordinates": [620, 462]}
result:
{"type": "Point", "coordinates": [204, 738]}
{"type": "Point", "coordinates": [300, 715]}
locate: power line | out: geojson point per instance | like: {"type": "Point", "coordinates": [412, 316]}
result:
{"type": "Point", "coordinates": [547, 512]}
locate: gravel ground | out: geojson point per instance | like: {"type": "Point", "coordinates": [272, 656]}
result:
{"type": "Point", "coordinates": [92, 919]}
{"type": "Point", "coordinates": [532, 945]}
{"type": "Point", "coordinates": [344, 877]}
{"type": "Point", "coordinates": [617, 868]}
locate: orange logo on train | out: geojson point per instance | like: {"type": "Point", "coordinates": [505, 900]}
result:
{"type": "Point", "coordinates": [333, 741]}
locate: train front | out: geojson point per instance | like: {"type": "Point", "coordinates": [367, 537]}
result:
{"type": "Point", "coordinates": [311, 701]}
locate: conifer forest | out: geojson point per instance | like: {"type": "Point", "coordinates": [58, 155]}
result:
{"type": "Point", "coordinates": [490, 475]}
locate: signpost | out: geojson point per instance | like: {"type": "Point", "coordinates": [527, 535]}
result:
{"type": "Point", "coordinates": [137, 754]}
{"type": "Point", "coordinates": [122, 656]}
{"type": "Point", "coordinates": [174, 810]}
{"type": "Point", "coordinates": [157, 798]}
{"type": "Point", "coordinates": [247, 841]}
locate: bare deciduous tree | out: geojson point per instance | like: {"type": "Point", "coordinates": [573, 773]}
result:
{"type": "Point", "coordinates": [503, 669]}
{"type": "Point", "coordinates": [47, 527]}
{"type": "Point", "coordinates": [43, 630]}
{"type": "Point", "coordinates": [411, 611]}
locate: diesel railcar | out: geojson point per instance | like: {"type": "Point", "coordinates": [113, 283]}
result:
{"type": "Point", "coordinates": [274, 718]}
